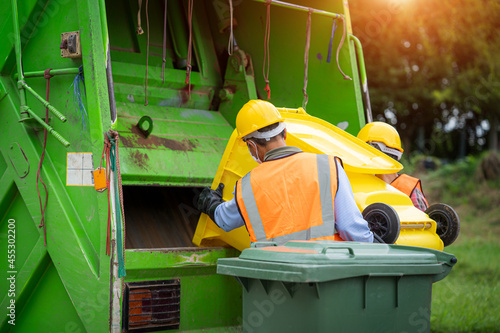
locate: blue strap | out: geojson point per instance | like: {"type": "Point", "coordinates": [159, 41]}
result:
{"type": "Point", "coordinates": [334, 27]}
{"type": "Point", "coordinates": [77, 98]}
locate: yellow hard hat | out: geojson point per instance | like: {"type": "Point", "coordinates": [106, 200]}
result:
{"type": "Point", "coordinates": [254, 115]}
{"type": "Point", "coordinates": [381, 132]}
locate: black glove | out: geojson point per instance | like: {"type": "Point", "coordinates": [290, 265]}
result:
{"type": "Point", "coordinates": [209, 200]}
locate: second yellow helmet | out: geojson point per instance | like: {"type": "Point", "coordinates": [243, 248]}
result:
{"type": "Point", "coordinates": [381, 132]}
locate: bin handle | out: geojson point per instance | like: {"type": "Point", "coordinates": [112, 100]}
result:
{"type": "Point", "coordinates": [326, 248]}
{"type": "Point", "coordinates": [254, 244]}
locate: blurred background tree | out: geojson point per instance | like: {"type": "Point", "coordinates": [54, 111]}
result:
{"type": "Point", "coordinates": [433, 71]}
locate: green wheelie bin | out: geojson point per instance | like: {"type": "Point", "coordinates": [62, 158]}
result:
{"type": "Point", "coordinates": [325, 286]}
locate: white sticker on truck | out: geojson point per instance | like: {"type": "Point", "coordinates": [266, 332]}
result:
{"type": "Point", "coordinates": [79, 167]}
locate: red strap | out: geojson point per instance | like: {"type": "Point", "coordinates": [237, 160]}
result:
{"type": "Point", "coordinates": [47, 76]}
{"type": "Point", "coordinates": [306, 58]}
{"type": "Point", "coordinates": [190, 47]}
{"type": "Point", "coordinates": [346, 77]}
{"type": "Point", "coordinates": [147, 56]}
{"type": "Point", "coordinates": [106, 151]}
{"type": "Point", "coordinates": [164, 43]}
{"type": "Point", "coordinates": [268, 90]}
{"type": "Point", "coordinates": [267, 34]}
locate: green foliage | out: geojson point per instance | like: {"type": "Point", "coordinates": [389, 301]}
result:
{"type": "Point", "coordinates": [453, 182]}
{"type": "Point", "coordinates": [459, 184]}
{"type": "Point", "coordinates": [415, 163]}
{"type": "Point", "coordinates": [430, 62]}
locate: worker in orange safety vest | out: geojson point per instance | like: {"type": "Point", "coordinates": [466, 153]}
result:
{"type": "Point", "coordinates": [290, 195]}
{"type": "Point", "coordinates": [385, 138]}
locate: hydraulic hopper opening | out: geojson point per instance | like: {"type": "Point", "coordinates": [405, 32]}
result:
{"type": "Point", "coordinates": [160, 217]}
{"type": "Point", "coordinates": [129, 37]}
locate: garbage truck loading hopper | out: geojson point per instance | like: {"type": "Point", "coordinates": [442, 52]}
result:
{"type": "Point", "coordinates": [173, 145]}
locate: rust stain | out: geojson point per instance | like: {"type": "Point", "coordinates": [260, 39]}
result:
{"type": "Point", "coordinates": [215, 65]}
{"type": "Point", "coordinates": [137, 131]}
{"type": "Point", "coordinates": [140, 159]}
{"type": "Point", "coordinates": [184, 92]}
{"type": "Point", "coordinates": [153, 141]}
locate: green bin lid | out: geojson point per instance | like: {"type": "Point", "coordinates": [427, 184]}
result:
{"type": "Point", "coordinates": [320, 261]}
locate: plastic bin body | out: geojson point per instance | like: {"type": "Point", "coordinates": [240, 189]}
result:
{"type": "Point", "coordinates": [335, 287]}
{"type": "Point", "coordinates": [361, 162]}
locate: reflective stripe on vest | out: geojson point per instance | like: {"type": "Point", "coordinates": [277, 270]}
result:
{"type": "Point", "coordinates": [327, 228]}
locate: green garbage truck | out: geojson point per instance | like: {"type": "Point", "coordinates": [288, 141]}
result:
{"type": "Point", "coordinates": [113, 115]}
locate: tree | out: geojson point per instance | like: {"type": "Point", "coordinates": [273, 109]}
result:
{"type": "Point", "coordinates": [432, 67]}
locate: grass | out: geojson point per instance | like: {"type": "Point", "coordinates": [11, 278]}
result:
{"type": "Point", "coordinates": [468, 299]}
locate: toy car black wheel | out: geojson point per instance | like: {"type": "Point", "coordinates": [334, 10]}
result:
{"type": "Point", "coordinates": [383, 221]}
{"type": "Point", "coordinates": [448, 223]}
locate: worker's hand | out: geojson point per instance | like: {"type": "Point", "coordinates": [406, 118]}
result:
{"type": "Point", "coordinates": [210, 199]}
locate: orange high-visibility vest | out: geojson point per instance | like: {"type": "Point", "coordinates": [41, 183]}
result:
{"type": "Point", "coordinates": [290, 198]}
{"type": "Point", "coordinates": [407, 185]}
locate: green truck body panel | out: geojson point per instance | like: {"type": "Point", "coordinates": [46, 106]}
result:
{"type": "Point", "coordinates": [68, 284]}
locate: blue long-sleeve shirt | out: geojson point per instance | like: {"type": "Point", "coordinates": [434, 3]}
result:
{"type": "Point", "coordinates": [349, 222]}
